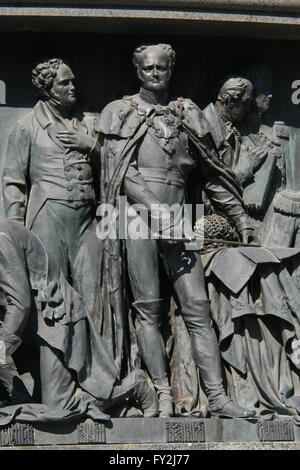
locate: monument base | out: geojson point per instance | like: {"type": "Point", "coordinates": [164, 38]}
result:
{"type": "Point", "coordinates": [155, 433]}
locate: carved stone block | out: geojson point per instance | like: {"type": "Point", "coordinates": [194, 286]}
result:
{"type": "Point", "coordinates": [91, 433]}
{"type": "Point", "coordinates": [17, 434]}
{"type": "Point", "coordinates": [275, 430]}
{"type": "Point", "coordinates": [185, 431]}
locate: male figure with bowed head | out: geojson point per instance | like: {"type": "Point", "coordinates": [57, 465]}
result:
{"type": "Point", "coordinates": [47, 179]}
{"type": "Point", "coordinates": [148, 156]}
{"type": "Point", "coordinates": [234, 101]}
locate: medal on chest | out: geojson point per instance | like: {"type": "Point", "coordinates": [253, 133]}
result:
{"type": "Point", "coordinates": [166, 127]}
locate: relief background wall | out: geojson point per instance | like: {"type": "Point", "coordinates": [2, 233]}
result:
{"type": "Point", "coordinates": [100, 53]}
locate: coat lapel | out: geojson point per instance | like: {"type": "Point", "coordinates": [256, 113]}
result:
{"type": "Point", "coordinates": [49, 123]}
{"type": "Point", "coordinates": [53, 124]}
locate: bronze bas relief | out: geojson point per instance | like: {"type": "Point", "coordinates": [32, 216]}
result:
{"type": "Point", "coordinates": [103, 312]}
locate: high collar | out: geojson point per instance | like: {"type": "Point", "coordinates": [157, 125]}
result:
{"type": "Point", "coordinates": [151, 98]}
{"type": "Point", "coordinates": [47, 114]}
{"type": "Point", "coordinates": [44, 114]}
{"type": "Point", "coordinates": [59, 111]}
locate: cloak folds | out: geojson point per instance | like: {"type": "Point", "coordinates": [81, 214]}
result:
{"type": "Point", "coordinates": [69, 342]}
{"type": "Point", "coordinates": [255, 306]}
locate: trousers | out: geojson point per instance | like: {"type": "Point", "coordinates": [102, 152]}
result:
{"type": "Point", "coordinates": [69, 235]}
{"type": "Point", "coordinates": [186, 275]}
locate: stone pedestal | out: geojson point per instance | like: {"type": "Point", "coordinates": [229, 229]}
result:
{"type": "Point", "coordinates": [173, 433]}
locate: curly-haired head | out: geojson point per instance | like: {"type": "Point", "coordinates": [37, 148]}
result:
{"type": "Point", "coordinates": [43, 75]}
{"type": "Point", "coordinates": [234, 88]}
{"type": "Point", "coordinates": [139, 51]}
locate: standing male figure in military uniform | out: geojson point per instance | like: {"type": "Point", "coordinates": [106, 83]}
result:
{"type": "Point", "coordinates": [146, 156]}
{"type": "Point", "coordinates": [48, 177]}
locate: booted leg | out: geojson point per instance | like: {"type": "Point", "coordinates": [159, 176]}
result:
{"type": "Point", "coordinates": [165, 399]}
{"type": "Point", "coordinates": [136, 389]}
{"type": "Point", "coordinates": [153, 351]}
{"type": "Point", "coordinates": [205, 351]}
{"type": "Point", "coordinates": [143, 270]}
{"type": "Point", "coordinates": [186, 270]}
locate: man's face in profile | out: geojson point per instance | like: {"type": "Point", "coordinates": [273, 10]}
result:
{"type": "Point", "coordinates": [263, 99]}
{"type": "Point", "coordinates": [63, 89]}
{"type": "Point", "coordinates": [154, 69]}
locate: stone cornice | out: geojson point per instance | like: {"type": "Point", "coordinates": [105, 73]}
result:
{"type": "Point", "coordinates": [275, 6]}
{"type": "Point", "coordinates": [256, 18]}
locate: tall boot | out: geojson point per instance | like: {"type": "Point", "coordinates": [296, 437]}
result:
{"type": "Point", "coordinates": [206, 354]}
{"type": "Point", "coordinates": [153, 352]}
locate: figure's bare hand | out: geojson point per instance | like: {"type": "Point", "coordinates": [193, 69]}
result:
{"type": "Point", "coordinates": [76, 141]}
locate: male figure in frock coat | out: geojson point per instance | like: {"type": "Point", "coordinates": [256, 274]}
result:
{"type": "Point", "coordinates": [233, 103]}
{"type": "Point", "coordinates": [147, 157]}
{"type": "Point", "coordinates": [47, 179]}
